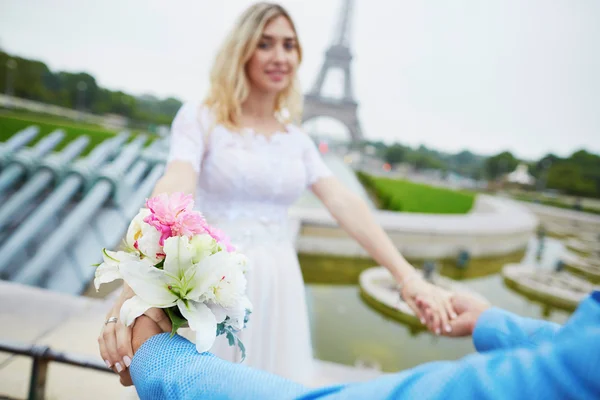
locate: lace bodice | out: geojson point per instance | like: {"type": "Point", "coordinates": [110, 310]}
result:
{"type": "Point", "coordinates": [244, 175]}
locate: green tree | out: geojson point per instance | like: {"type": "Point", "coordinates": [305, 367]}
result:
{"type": "Point", "coordinates": [500, 164]}
{"type": "Point", "coordinates": [395, 154]}
{"type": "Point", "coordinates": [568, 177]}
{"type": "Point", "coordinates": [33, 80]}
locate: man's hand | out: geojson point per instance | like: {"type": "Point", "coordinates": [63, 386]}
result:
{"type": "Point", "coordinates": [468, 308]}
{"type": "Point", "coordinates": [143, 329]}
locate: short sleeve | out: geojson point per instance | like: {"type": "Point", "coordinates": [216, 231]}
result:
{"type": "Point", "coordinates": [315, 166]}
{"type": "Point", "coordinates": [187, 136]}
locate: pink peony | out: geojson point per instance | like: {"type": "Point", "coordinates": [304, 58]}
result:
{"type": "Point", "coordinates": [220, 237]}
{"type": "Point", "coordinates": [189, 224]}
{"type": "Point", "coordinates": [166, 208]}
{"type": "Point", "coordinates": [173, 216]}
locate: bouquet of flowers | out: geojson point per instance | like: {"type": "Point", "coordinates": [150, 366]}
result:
{"type": "Point", "coordinates": [172, 259]}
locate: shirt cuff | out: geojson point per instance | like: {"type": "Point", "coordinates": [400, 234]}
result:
{"type": "Point", "coordinates": [146, 354]}
{"type": "Point", "coordinates": [487, 321]}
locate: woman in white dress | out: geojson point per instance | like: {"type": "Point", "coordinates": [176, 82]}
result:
{"type": "Point", "coordinates": [243, 155]}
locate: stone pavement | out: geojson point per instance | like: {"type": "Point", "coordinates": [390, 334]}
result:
{"type": "Point", "coordinates": [63, 322]}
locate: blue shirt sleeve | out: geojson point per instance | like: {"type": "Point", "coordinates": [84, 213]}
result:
{"type": "Point", "coordinates": [500, 329]}
{"type": "Point", "coordinates": [524, 367]}
{"type": "Point", "coordinates": [167, 367]}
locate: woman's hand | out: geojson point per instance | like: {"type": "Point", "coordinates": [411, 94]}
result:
{"type": "Point", "coordinates": [115, 339]}
{"type": "Point", "coordinates": [432, 304]}
{"type": "Point", "coordinates": [143, 330]}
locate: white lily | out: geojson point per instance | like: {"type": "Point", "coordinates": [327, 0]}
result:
{"type": "Point", "coordinates": [109, 270]}
{"type": "Point", "coordinates": [181, 283]}
{"type": "Point", "coordinates": [236, 313]}
{"type": "Point", "coordinates": [242, 261]}
{"type": "Point", "coordinates": [203, 246]}
{"type": "Point", "coordinates": [227, 295]}
{"type": "Point", "coordinates": [143, 237]}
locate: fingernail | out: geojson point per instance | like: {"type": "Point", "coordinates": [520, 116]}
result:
{"type": "Point", "coordinates": [108, 364]}
{"type": "Point", "coordinates": [423, 321]}
{"type": "Point", "coordinates": [127, 361]}
{"type": "Point", "coordinates": [118, 367]}
{"type": "Point", "coordinates": [437, 331]}
{"type": "Point", "coordinates": [454, 315]}
{"type": "Point", "coordinates": [448, 328]}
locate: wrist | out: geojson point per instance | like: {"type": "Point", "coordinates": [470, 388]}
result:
{"type": "Point", "coordinates": [477, 316]}
{"type": "Point", "coordinates": [143, 329]}
{"type": "Point", "coordinates": [407, 279]}
{"type": "Point", "coordinates": [403, 272]}
{"type": "Point", "coordinates": [127, 293]}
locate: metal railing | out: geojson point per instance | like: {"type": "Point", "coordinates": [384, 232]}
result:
{"type": "Point", "coordinates": [42, 356]}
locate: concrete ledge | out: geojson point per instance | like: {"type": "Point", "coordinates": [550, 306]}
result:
{"type": "Point", "coordinates": [495, 227]}
{"type": "Point", "coordinates": [563, 216]}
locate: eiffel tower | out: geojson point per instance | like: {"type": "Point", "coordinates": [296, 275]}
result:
{"type": "Point", "coordinates": [316, 104]}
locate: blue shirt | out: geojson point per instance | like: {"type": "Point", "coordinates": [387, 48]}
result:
{"type": "Point", "coordinates": [518, 358]}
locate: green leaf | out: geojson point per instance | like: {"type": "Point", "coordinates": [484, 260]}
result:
{"type": "Point", "coordinates": [161, 264]}
{"type": "Point", "coordinates": [242, 349]}
{"type": "Point", "coordinates": [106, 254]}
{"type": "Point", "coordinates": [233, 340]}
{"type": "Point", "coordinates": [230, 338]}
{"type": "Point", "coordinates": [220, 328]}
{"type": "Point", "coordinates": [177, 320]}
{"type": "Point", "coordinates": [95, 265]}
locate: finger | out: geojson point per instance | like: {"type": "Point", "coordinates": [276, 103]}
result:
{"type": "Point", "coordinates": [419, 311]}
{"type": "Point", "coordinates": [421, 307]}
{"type": "Point", "coordinates": [423, 302]}
{"type": "Point", "coordinates": [110, 342]}
{"type": "Point", "coordinates": [160, 318]}
{"type": "Point", "coordinates": [435, 321]}
{"type": "Point", "coordinates": [103, 350]}
{"type": "Point", "coordinates": [461, 326]}
{"type": "Point", "coordinates": [450, 308]}
{"type": "Point", "coordinates": [427, 307]}
{"type": "Point", "coordinates": [444, 317]}
{"type": "Point", "coordinates": [123, 336]}
{"type": "Point", "coordinates": [429, 319]}
{"type": "Point", "coordinates": [125, 378]}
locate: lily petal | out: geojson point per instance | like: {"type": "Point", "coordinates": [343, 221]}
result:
{"type": "Point", "coordinates": [237, 314]}
{"type": "Point", "coordinates": [178, 255]}
{"type": "Point", "coordinates": [148, 243]}
{"type": "Point", "coordinates": [117, 257]}
{"type": "Point", "coordinates": [209, 271]}
{"type": "Point", "coordinates": [133, 308]}
{"type": "Point", "coordinates": [106, 273]}
{"type": "Point", "coordinates": [149, 283]}
{"type": "Point", "coordinates": [135, 226]}
{"type": "Point", "coordinates": [219, 312]}
{"type": "Point", "coordinates": [202, 321]}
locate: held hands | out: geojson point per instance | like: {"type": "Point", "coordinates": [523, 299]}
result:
{"type": "Point", "coordinates": [431, 304]}
{"type": "Point", "coordinates": [468, 309]}
{"type": "Point", "coordinates": [115, 340]}
{"type": "Point", "coordinates": [143, 329]}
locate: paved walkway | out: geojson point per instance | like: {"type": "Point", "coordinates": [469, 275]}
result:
{"type": "Point", "coordinates": [71, 324]}
{"type": "Point", "coordinates": [63, 322]}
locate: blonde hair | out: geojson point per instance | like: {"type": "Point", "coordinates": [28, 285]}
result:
{"type": "Point", "coordinates": [229, 83]}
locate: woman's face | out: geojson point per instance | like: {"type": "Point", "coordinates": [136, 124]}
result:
{"type": "Point", "coordinates": [272, 67]}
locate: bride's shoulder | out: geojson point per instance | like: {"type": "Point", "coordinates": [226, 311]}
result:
{"type": "Point", "coordinates": [196, 108]}
{"type": "Point", "coordinates": [300, 134]}
{"type": "Point", "coordinates": [197, 111]}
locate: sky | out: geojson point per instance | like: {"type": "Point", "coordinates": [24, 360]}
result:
{"type": "Point", "coordinates": [488, 76]}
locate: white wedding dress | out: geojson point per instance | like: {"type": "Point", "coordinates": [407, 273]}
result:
{"type": "Point", "coordinates": [246, 185]}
